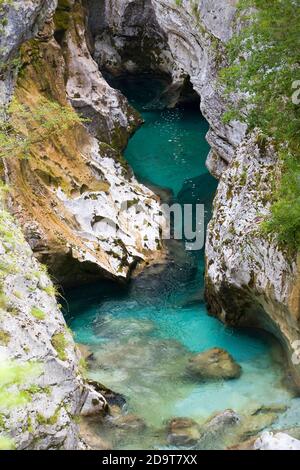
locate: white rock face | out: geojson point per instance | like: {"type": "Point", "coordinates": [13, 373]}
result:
{"type": "Point", "coordinates": [118, 27]}
{"type": "Point", "coordinates": [278, 441]}
{"type": "Point", "coordinates": [33, 330]}
{"type": "Point", "coordinates": [111, 119]}
{"type": "Point", "coordinates": [24, 19]}
{"type": "Point", "coordinates": [123, 222]}
{"type": "Point", "coordinates": [250, 280]}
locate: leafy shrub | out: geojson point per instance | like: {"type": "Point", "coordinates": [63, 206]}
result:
{"type": "Point", "coordinates": [263, 65]}
{"type": "Point", "coordinates": [12, 374]}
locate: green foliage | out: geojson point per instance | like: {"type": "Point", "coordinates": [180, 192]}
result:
{"type": "Point", "coordinates": [51, 290]}
{"type": "Point", "coordinates": [4, 4]}
{"type": "Point", "coordinates": [42, 420]}
{"type": "Point", "coordinates": [4, 337]}
{"type": "Point", "coordinates": [264, 64]}
{"type": "Point", "coordinates": [62, 15]}
{"type": "Point", "coordinates": [37, 313]}
{"type": "Point", "coordinates": [285, 220]}
{"type": "Point", "coordinates": [3, 302]}
{"type": "Point", "coordinates": [13, 374]}
{"type": "Point", "coordinates": [25, 127]}
{"type": "Point", "coordinates": [83, 366]}
{"type": "Point", "coordinates": [60, 343]}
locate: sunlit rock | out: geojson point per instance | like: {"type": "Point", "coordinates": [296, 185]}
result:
{"type": "Point", "coordinates": [214, 364]}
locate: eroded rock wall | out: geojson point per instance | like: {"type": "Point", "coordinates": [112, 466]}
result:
{"type": "Point", "coordinates": [33, 331]}
{"type": "Point", "coordinates": [250, 279]}
{"type": "Point", "coordinates": [126, 38]}
{"type": "Point", "coordinates": [71, 194]}
{"type": "Point", "coordinates": [184, 38]}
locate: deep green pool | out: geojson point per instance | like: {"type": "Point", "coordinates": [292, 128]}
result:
{"type": "Point", "coordinates": [141, 336]}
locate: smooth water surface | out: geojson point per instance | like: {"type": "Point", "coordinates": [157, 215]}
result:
{"type": "Point", "coordinates": [142, 336]}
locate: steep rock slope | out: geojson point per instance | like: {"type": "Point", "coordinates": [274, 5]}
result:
{"type": "Point", "coordinates": [83, 212]}
{"type": "Point", "coordinates": [250, 280]}
{"type": "Point", "coordinates": [33, 331]}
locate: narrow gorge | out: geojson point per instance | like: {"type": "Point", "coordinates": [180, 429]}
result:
{"type": "Point", "coordinates": [116, 338]}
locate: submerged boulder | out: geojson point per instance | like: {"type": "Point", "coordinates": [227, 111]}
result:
{"type": "Point", "coordinates": [214, 363]}
{"type": "Point", "coordinates": [183, 432]}
{"type": "Point", "coordinates": [254, 424]}
{"type": "Point", "coordinates": [214, 431]}
{"type": "Point", "coordinates": [221, 420]}
{"type": "Point", "coordinates": [130, 422]}
{"type": "Point", "coordinates": [91, 437]}
{"type": "Point", "coordinates": [112, 398]}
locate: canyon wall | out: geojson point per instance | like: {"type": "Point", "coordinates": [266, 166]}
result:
{"type": "Point", "coordinates": [82, 211]}
{"type": "Point", "coordinates": [33, 333]}
{"type": "Point", "coordinates": [250, 279]}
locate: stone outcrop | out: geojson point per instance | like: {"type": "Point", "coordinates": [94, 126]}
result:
{"type": "Point", "coordinates": [83, 212]}
{"type": "Point", "coordinates": [33, 331]}
{"type": "Point", "coordinates": [250, 280]}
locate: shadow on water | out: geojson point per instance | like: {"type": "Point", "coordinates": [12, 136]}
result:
{"type": "Point", "coordinates": [142, 335]}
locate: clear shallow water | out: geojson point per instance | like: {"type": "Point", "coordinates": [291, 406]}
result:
{"type": "Point", "coordinates": [142, 336]}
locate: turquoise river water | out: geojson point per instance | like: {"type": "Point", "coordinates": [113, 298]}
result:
{"type": "Point", "coordinates": [142, 335]}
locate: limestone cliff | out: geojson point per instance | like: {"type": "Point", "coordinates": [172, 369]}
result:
{"type": "Point", "coordinates": [33, 330]}
{"type": "Point", "coordinates": [250, 280]}
{"type": "Point", "coordinates": [82, 211]}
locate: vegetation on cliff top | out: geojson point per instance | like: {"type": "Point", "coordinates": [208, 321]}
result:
{"type": "Point", "coordinates": [264, 66]}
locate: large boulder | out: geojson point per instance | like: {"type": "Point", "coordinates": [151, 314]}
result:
{"type": "Point", "coordinates": [212, 364]}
